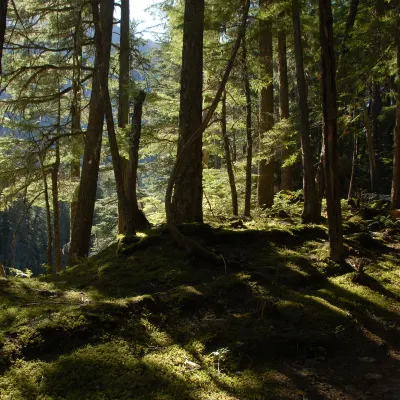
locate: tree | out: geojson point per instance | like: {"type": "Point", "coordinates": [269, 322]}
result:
{"type": "Point", "coordinates": [82, 223]}
{"type": "Point", "coordinates": [266, 167]}
{"type": "Point", "coordinates": [286, 172]}
{"type": "Point", "coordinates": [249, 132]}
{"type": "Point", "coordinates": [310, 211]}
{"type": "Point", "coordinates": [3, 22]}
{"type": "Point", "coordinates": [395, 196]}
{"type": "Point", "coordinates": [188, 192]}
{"type": "Point", "coordinates": [228, 158]}
{"type": "Point", "coordinates": [329, 113]}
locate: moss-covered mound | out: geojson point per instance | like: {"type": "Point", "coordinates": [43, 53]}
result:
{"type": "Point", "coordinates": [146, 321]}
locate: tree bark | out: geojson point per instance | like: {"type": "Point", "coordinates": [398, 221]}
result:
{"type": "Point", "coordinates": [310, 211]}
{"type": "Point", "coordinates": [373, 172]}
{"type": "Point", "coordinates": [353, 169]}
{"type": "Point", "coordinates": [191, 246]}
{"type": "Point", "coordinates": [76, 142]}
{"type": "Point", "coordinates": [56, 208]}
{"type": "Point", "coordinates": [286, 172]}
{"type": "Point", "coordinates": [395, 195]}
{"type": "Point", "coordinates": [188, 191]}
{"type": "Point", "coordinates": [3, 22]}
{"type": "Point", "coordinates": [140, 221]}
{"type": "Point", "coordinates": [82, 223]}
{"type": "Point", "coordinates": [329, 112]}
{"type": "Point", "coordinates": [123, 103]}
{"type": "Point", "coordinates": [265, 187]}
{"type": "Point", "coordinates": [249, 131]}
{"type": "Point", "coordinates": [228, 158]}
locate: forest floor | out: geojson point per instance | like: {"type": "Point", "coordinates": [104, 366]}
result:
{"type": "Point", "coordinates": [274, 320]}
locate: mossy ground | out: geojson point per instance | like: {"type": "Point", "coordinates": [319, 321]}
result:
{"type": "Point", "coordinates": [286, 322]}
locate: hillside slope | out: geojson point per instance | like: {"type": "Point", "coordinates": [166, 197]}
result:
{"type": "Point", "coordinates": [274, 320]}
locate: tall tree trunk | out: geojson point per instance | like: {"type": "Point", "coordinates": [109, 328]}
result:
{"type": "Point", "coordinates": [310, 211]}
{"type": "Point", "coordinates": [82, 223]}
{"type": "Point", "coordinates": [49, 252]}
{"type": "Point", "coordinates": [3, 22]}
{"type": "Point", "coordinates": [123, 103]}
{"type": "Point", "coordinates": [353, 169]}
{"type": "Point", "coordinates": [286, 172]}
{"type": "Point", "coordinates": [56, 208]}
{"type": "Point", "coordinates": [234, 147]}
{"type": "Point", "coordinates": [395, 198]}
{"type": "Point", "coordinates": [140, 221]}
{"type": "Point", "coordinates": [329, 113]}
{"type": "Point", "coordinates": [265, 185]}
{"type": "Point", "coordinates": [76, 111]}
{"type": "Point", "coordinates": [228, 159]}
{"type": "Point", "coordinates": [249, 131]}
{"type": "Point", "coordinates": [188, 192]}
{"type": "Point", "coordinates": [371, 151]}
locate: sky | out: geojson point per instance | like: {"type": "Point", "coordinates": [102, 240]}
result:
{"type": "Point", "coordinates": [139, 13]}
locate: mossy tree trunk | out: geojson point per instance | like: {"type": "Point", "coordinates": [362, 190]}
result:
{"type": "Point", "coordinates": [329, 113]}
{"type": "Point", "coordinates": [353, 168]}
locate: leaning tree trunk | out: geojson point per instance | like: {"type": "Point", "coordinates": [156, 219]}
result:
{"type": "Point", "coordinates": [395, 198]}
{"type": "Point", "coordinates": [140, 221]}
{"type": "Point", "coordinates": [286, 172]}
{"type": "Point", "coordinates": [188, 192]}
{"type": "Point", "coordinates": [373, 172]}
{"type": "Point", "coordinates": [329, 113]}
{"type": "Point", "coordinates": [249, 132]}
{"type": "Point", "coordinates": [3, 22]}
{"type": "Point", "coordinates": [228, 158]}
{"type": "Point", "coordinates": [310, 211]}
{"type": "Point", "coordinates": [265, 185]}
{"type": "Point", "coordinates": [82, 223]}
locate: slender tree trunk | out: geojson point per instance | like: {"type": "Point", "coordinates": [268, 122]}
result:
{"type": "Point", "coordinates": [249, 131]}
{"type": "Point", "coordinates": [82, 223]}
{"type": "Point", "coordinates": [76, 111]}
{"type": "Point", "coordinates": [228, 159]}
{"type": "Point", "coordinates": [329, 112]}
{"type": "Point", "coordinates": [353, 169]}
{"type": "Point", "coordinates": [234, 147]}
{"type": "Point", "coordinates": [310, 211]}
{"type": "Point", "coordinates": [141, 222]}
{"type": "Point", "coordinates": [395, 198]}
{"type": "Point", "coordinates": [3, 22]}
{"type": "Point", "coordinates": [123, 103]}
{"type": "Point", "coordinates": [286, 172]}
{"type": "Point", "coordinates": [371, 152]}
{"type": "Point", "coordinates": [191, 246]}
{"type": "Point", "coordinates": [265, 185]}
{"type": "Point", "coordinates": [48, 211]}
{"type": "Point", "coordinates": [56, 208]}
{"type": "Point", "coordinates": [188, 192]}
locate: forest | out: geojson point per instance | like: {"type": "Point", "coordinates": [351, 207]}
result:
{"type": "Point", "coordinates": [206, 209]}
